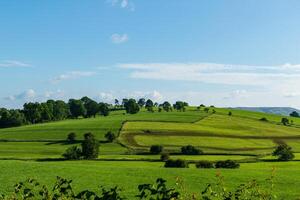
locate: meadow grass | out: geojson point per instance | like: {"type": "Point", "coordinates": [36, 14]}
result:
{"type": "Point", "coordinates": [128, 174]}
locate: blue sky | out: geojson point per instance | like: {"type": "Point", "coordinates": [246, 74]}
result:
{"type": "Point", "coordinates": [226, 53]}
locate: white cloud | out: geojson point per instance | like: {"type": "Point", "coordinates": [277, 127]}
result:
{"type": "Point", "coordinates": [54, 94]}
{"type": "Point", "coordinates": [13, 63]}
{"type": "Point", "coordinates": [26, 95]}
{"type": "Point", "coordinates": [246, 75]}
{"type": "Point", "coordinates": [72, 75]}
{"type": "Point", "coordinates": [237, 94]}
{"type": "Point", "coordinates": [110, 97]}
{"type": "Point", "coordinates": [125, 4]}
{"type": "Point", "coordinates": [119, 38]}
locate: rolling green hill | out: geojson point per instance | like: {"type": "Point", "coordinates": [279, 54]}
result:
{"type": "Point", "coordinates": [242, 137]}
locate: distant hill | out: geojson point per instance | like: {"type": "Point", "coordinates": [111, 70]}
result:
{"type": "Point", "coordinates": [272, 110]}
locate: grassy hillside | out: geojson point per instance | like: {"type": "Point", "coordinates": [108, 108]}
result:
{"type": "Point", "coordinates": [242, 137]}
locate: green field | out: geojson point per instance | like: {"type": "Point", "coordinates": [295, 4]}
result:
{"type": "Point", "coordinates": [27, 151]}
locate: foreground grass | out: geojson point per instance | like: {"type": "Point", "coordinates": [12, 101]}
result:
{"type": "Point", "coordinates": [127, 175]}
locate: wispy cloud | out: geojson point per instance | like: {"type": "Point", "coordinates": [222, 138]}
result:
{"type": "Point", "coordinates": [72, 75]}
{"type": "Point", "coordinates": [215, 73]}
{"type": "Point", "coordinates": [125, 4]}
{"type": "Point", "coordinates": [119, 38]}
{"type": "Point", "coordinates": [13, 63]}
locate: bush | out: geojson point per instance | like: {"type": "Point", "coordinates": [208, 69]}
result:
{"type": "Point", "coordinates": [176, 164]}
{"type": "Point", "coordinates": [229, 113]}
{"type": "Point", "coordinates": [73, 153]}
{"type": "Point", "coordinates": [283, 152]}
{"type": "Point", "coordinates": [191, 150]}
{"type": "Point", "coordinates": [285, 121]}
{"type": "Point", "coordinates": [264, 119]}
{"type": "Point", "coordinates": [156, 149]}
{"type": "Point", "coordinates": [227, 164]}
{"type": "Point", "coordinates": [90, 146]}
{"type": "Point", "coordinates": [204, 164]}
{"type": "Point", "coordinates": [160, 191]}
{"type": "Point", "coordinates": [71, 137]}
{"type": "Point", "coordinates": [110, 137]}
{"type": "Point", "coordinates": [164, 157]}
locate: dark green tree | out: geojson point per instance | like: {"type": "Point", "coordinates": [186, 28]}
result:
{"type": "Point", "coordinates": [285, 121]}
{"type": "Point", "coordinates": [61, 110]}
{"type": "Point", "coordinates": [149, 105]}
{"type": "Point", "coordinates": [283, 152]}
{"type": "Point", "coordinates": [132, 107]}
{"type": "Point", "coordinates": [46, 113]}
{"type": "Point", "coordinates": [32, 112]}
{"type": "Point", "coordinates": [92, 108]}
{"type": "Point", "coordinates": [166, 106]}
{"type": "Point", "coordinates": [103, 109]}
{"type": "Point", "coordinates": [77, 108]}
{"type": "Point", "coordinates": [90, 146]}
{"type": "Point", "coordinates": [191, 150]}
{"type": "Point", "coordinates": [141, 102]}
{"type": "Point", "coordinates": [294, 114]}
{"type": "Point", "coordinates": [110, 136]}
{"type": "Point", "coordinates": [156, 149]}
{"type": "Point", "coordinates": [71, 137]}
{"type": "Point", "coordinates": [179, 106]}
{"type": "Point", "coordinates": [73, 153]}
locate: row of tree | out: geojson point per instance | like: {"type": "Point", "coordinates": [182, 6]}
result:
{"type": "Point", "coordinates": [52, 110]}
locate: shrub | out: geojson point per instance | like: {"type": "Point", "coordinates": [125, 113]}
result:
{"type": "Point", "coordinates": [156, 149]}
{"type": "Point", "coordinates": [90, 146]}
{"type": "Point", "coordinates": [110, 137]}
{"type": "Point", "coordinates": [73, 153]}
{"type": "Point", "coordinates": [227, 164]}
{"type": "Point", "coordinates": [283, 152]}
{"type": "Point", "coordinates": [191, 150]}
{"type": "Point", "coordinates": [264, 119]}
{"type": "Point", "coordinates": [204, 164]}
{"type": "Point", "coordinates": [285, 121]}
{"type": "Point", "coordinates": [229, 113]}
{"type": "Point", "coordinates": [158, 191]}
{"type": "Point", "coordinates": [164, 157]}
{"type": "Point", "coordinates": [176, 164]}
{"type": "Point", "coordinates": [71, 137]}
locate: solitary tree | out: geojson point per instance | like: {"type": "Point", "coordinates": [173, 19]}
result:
{"type": "Point", "coordinates": [90, 146]}
{"type": "Point", "coordinates": [285, 121]}
{"type": "Point", "coordinates": [283, 152]}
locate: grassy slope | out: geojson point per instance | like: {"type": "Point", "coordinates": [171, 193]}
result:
{"type": "Point", "coordinates": [127, 175]}
{"type": "Point", "coordinates": [215, 133]}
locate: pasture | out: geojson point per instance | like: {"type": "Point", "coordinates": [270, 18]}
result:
{"type": "Point", "coordinates": [35, 150]}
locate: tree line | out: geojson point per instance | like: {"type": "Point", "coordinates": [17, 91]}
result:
{"type": "Point", "coordinates": [55, 110]}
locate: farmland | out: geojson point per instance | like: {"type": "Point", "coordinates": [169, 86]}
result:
{"type": "Point", "coordinates": [36, 150]}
